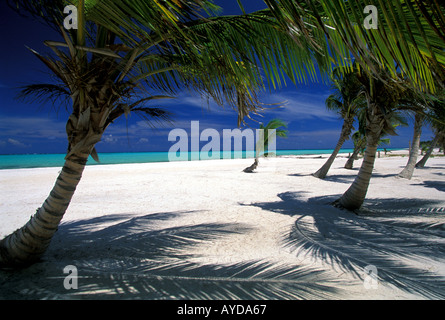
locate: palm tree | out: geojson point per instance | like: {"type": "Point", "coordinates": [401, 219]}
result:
{"type": "Point", "coordinates": [408, 171]}
{"type": "Point", "coordinates": [437, 122]}
{"type": "Point", "coordinates": [359, 140]}
{"type": "Point", "coordinates": [277, 128]}
{"type": "Point", "coordinates": [127, 54]}
{"type": "Point", "coordinates": [382, 104]}
{"type": "Point", "coordinates": [359, 137]}
{"type": "Point", "coordinates": [404, 53]}
{"type": "Point", "coordinates": [346, 101]}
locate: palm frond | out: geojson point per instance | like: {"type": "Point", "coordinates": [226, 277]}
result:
{"type": "Point", "coordinates": [44, 92]}
{"type": "Point", "coordinates": [408, 40]}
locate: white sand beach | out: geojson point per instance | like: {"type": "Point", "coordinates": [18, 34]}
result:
{"type": "Point", "coordinates": [207, 230]}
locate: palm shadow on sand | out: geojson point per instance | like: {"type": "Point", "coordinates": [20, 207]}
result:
{"type": "Point", "coordinates": [126, 256]}
{"type": "Point", "coordinates": [396, 236]}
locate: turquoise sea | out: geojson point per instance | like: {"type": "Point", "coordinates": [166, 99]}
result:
{"type": "Point", "coordinates": [57, 160]}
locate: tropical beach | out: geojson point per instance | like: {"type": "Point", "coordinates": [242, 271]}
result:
{"type": "Point", "coordinates": [207, 230]}
{"type": "Point", "coordinates": [222, 150]}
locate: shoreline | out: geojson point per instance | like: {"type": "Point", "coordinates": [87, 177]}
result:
{"type": "Point", "coordinates": [200, 229]}
{"type": "Point", "coordinates": [56, 160]}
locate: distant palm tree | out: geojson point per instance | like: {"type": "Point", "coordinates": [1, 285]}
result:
{"type": "Point", "coordinates": [359, 137]}
{"type": "Point", "coordinates": [274, 128]}
{"type": "Point", "coordinates": [346, 101]}
{"type": "Point", "coordinates": [436, 120]}
{"type": "Point", "coordinates": [359, 140]}
{"type": "Point", "coordinates": [408, 170]}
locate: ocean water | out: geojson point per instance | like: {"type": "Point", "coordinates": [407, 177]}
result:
{"type": "Point", "coordinates": [56, 160]}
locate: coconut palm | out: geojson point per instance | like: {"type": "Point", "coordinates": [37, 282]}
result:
{"type": "Point", "coordinates": [274, 128]}
{"type": "Point", "coordinates": [127, 54]}
{"type": "Point", "coordinates": [382, 104]}
{"type": "Point", "coordinates": [405, 52]}
{"type": "Point", "coordinates": [359, 140]}
{"type": "Point", "coordinates": [359, 137]}
{"type": "Point", "coordinates": [437, 123]}
{"type": "Point", "coordinates": [408, 170]}
{"type": "Point", "coordinates": [346, 101]}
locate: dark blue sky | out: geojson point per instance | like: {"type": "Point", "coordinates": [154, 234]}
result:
{"type": "Point", "coordinates": [37, 128]}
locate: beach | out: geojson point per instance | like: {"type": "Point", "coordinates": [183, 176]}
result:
{"type": "Point", "coordinates": [207, 230]}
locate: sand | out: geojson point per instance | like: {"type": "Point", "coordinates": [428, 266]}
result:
{"type": "Point", "coordinates": [207, 230]}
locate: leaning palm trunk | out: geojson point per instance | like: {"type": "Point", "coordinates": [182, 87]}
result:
{"type": "Point", "coordinates": [29, 243]}
{"type": "Point", "coordinates": [354, 197]}
{"type": "Point", "coordinates": [408, 171]}
{"type": "Point", "coordinates": [350, 163]}
{"type": "Point", "coordinates": [345, 133]}
{"type": "Point", "coordinates": [425, 158]}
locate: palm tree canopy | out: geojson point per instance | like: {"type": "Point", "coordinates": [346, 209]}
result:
{"type": "Point", "coordinates": [280, 131]}
{"type": "Point", "coordinates": [408, 41]}
{"type": "Point", "coordinates": [347, 97]}
{"type": "Point", "coordinates": [177, 44]}
{"type": "Point", "coordinates": [276, 124]}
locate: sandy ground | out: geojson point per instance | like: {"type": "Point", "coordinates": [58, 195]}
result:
{"type": "Point", "coordinates": [207, 230]}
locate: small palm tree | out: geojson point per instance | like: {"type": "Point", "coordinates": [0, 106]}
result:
{"type": "Point", "coordinates": [274, 128]}
{"type": "Point", "coordinates": [346, 101]}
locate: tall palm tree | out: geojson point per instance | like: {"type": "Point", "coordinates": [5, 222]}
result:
{"type": "Point", "coordinates": [274, 127]}
{"type": "Point", "coordinates": [125, 55]}
{"type": "Point", "coordinates": [346, 101]}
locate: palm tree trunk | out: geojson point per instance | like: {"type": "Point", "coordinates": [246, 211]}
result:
{"type": "Point", "coordinates": [27, 244]}
{"type": "Point", "coordinates": [345, 132]}
{"type": "Point", "coordinates": [350, 163]}
{"type": "Point", "coordinates": [354, 197]}
{"type": "Point", "coordinates": [408, 171]}
{"type": "Point", "coordinates": [424, 159]}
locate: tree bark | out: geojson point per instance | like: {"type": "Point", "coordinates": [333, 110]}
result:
{"type": "Point", "coordinates": [350, 163]}
{"type": "Point", "coordinates": [27, 244]}
{"type": "Point", "coordinates": [407, 172]}
{"type": "Point", "coordinates": [422, 162]}
{"type": "Point", "coordinates": [354, 197]}
{"type": "Point", "coordinates": [345, 132]}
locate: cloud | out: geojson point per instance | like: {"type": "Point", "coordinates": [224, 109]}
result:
{"type": "Point", "coordinates": [302, 106]}
{"type": "Point", "coordinates": [108, 138]}
{"type": "Point", "coordinates": [32, 127]}
{"type": "Point", "coordinates": [17, 143]}
{"type": "Point", "coordinates": [143, 140]}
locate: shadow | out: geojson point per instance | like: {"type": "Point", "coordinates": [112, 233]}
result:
{"type": "Point", "coordinates": [403, 238]}
{"type": "Point", "coordinates": [137, 257]}
{"type": "Point", "coordinates": [434, 167]}
{"type": "Point", "coordinates": [342, 178]}
{"type": "Point", "coordinates": [438, 185]}
{"type": "Point", "coordinates": [299, 174]}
